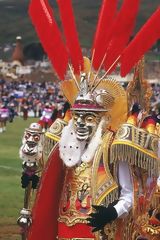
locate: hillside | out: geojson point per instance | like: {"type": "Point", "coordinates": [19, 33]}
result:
{"type": "Point", "coordinates": [15, 21]}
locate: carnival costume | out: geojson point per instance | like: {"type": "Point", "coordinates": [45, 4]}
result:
{"type": "Point", "coordinates": [31, 153]}
{"type": "Point", "coordinates": [101, 174]}
{"type": "Point", "coordinates": [46, 118]}
{"type": "Point", "coordinates": [4, 116]}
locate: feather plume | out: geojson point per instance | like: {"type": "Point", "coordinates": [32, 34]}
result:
{"type": "Point", "coordinates": [49, 34]}
{"type": "Point", "coordinates": [143, 41]}
{"type": "Point", "coordinates": [71, 35]}
{"type": "Point", "coordinates": [122, 30]}
{"type": "Point", "coordinates": [103, 31]}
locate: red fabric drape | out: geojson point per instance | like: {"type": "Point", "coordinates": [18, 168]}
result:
{"type": "Point", "coordinates": [45, 211]}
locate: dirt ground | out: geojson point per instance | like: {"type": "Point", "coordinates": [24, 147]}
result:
{"type": "Point", "coordinates": [10, 232]}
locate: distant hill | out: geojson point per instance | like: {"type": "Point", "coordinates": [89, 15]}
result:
{"type": "Point", "coordinates": [14, 19]}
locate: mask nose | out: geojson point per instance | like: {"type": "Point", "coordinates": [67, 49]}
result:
{"type": "Point", "coordinates": [30, 139]}
{"type": "Point", "coordinates": [80, 122]}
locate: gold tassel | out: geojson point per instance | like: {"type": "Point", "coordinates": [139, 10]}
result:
{"type": "Point", "coordinates": [111, 197]}
{"type": "Point", "coordinates": [122, 152]}
{"type": "Point", "coordinates": [49, 144]}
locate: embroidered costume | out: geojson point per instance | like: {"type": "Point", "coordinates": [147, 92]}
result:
{"type": "Point", "coordinates": [100, 178]}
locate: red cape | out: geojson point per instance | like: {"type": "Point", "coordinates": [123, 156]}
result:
{"type": "Point", "coordinates": [45, 210]}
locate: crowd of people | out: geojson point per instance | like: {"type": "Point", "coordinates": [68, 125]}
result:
{"type": "Point", "coordinates": [43, 100]}
{"type": "Point", "coordinates": [30, 99]}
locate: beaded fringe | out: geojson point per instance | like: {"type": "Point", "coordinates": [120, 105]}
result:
{"type": "Point", "coordinates": [111, 197]}
{"type": "Point", "coordinates": [133, 156]}
{"type": "Point", "coordinates": [48, 146]}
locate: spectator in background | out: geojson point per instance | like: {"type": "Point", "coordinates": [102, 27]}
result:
{"type": "Point", "coordinates": [4, 115]}
{"type": "Point", "coordinates": [11, 112]}
{"type": "Point", "coordinates": [38, 94]}
{"type": "Point", "coordinates": [46, 119]}
{"type": "Point", "coordinates": [25, 111]}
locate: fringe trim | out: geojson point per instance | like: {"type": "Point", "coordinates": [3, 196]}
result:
{"type": "Point", "coordinates": [48, 145]}
{"type": "Point", "coordinates": [122, 152]}
{"type": "Point", "coordinates": [111, 197]}
{"type": "Point", "coordinates": [156, 201]}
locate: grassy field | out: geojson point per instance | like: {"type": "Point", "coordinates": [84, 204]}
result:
{"type": "Point", "coordinates": [11, 193]}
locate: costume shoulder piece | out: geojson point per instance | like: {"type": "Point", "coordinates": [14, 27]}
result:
{"type": "Point", "coordinates": [55, 129]}
{"type": "Point", "coordinates": [136, 141]}
{"type": "Point", "coordinates": [53, 134]}
{"type": "Point", "coordinates": [137, 146]}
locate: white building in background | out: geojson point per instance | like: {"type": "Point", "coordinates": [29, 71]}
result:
{"type": "Point", "coordinates": [23, 70]}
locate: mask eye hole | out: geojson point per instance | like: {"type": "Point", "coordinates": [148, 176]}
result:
{"type": "Point", "coordinates": [75, 117]}
{"type": "Point", "coordinates": [36, 138]}
{"type": "Point", "coordinates": [90, 119]}
{"type": "Point", "coordinates": [27, 136]}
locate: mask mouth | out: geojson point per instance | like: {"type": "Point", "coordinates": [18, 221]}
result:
{"type": "Point", "coordinates": [31, 144]}
{"type": "Point", "coordinates": [82, 130]}
{"type": "Point", "coordinates": [29, 152]}
{"type": "Point", "coordinates": [82, 133]}
{"type": "Point", "coordinates": [30, 148]}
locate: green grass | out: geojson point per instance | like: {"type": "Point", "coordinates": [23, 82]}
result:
{"type": "Point", "coordinates": [11, 193]}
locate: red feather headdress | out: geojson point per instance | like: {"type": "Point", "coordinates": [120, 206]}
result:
{"type": "Point", "coordinates": [122, 31]}
{"type": "Point", "coordinates": [110, 42]}
{"type": "Point", "coordinates": [112, 35]}
{"type": "Point", "coordinates": [142, 42]}
{"type": "Point", "coordinates": [69, 26]}
{"type": "Point", "coordinates": [103, 31]}
{"type": "Point", "coordinates": [50, 36]}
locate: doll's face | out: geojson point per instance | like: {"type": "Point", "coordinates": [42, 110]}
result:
{"type": "Point", "coordinates": [31, 146]}
{"type": "Point", "coordinates": [85, 124]}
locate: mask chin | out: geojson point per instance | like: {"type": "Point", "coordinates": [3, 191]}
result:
{"type": "Point", "coordinates": [84, 134]}
{"type": "Point", "coordinates": [82, 138]}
